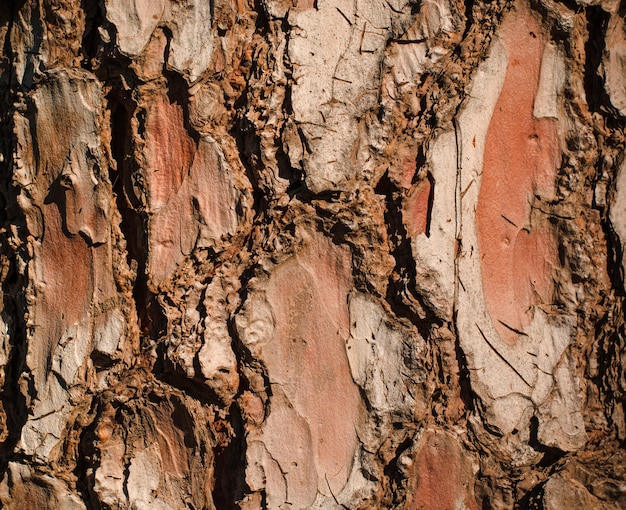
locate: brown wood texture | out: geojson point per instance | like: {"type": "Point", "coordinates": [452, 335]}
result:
{"type": "Point", "coordinates": [325, 254]}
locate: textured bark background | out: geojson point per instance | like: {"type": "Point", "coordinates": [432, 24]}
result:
{"type": "Point", "coordinates": [297, 254]}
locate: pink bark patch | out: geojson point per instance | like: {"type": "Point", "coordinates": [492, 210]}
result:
{"type": "Point", "coordinates": [193, 197]}
{"type": "Point", "coordinates": [307, 357]}
{"type": "Point", "coordinates": [442, 477]}
{"type": "Point", "coordinates": [73, 260]}
{"type": "Point", "coordinates": [521, 159]}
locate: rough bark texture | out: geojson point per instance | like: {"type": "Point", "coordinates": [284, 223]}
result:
{"type": "Point", "coordinates": [295, 254]}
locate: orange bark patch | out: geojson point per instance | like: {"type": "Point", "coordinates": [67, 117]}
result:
{"type": "Point", "coordinates": [171, 439]}
{"type": "Point", "coordinates": [521, 159]}
{"type": "Point", "coordinates": [67, 267]}
{"type": "Point", "coordinates": [417, 208]}
{"type": "Point", "coordinates": [151, 66]}
{"type": "Point", "coordinates": [203, 205]}
{"type": "Point", "coordinates": [169, 150]}
{"type": "Point", "coordinates": [441, 477]}
{"type": "Point", "coordinates": [406, 164]}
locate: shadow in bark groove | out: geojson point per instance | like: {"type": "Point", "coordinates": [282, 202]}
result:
{"type": "Point", "coordinates": [424, 318]}
{"type": "Point", "coordinates": [87, 460]}
{"type": "Point", "coordinates": [94, 18]}
{"type": "Point", "coordinates": [249, 149]}
{"type": "Point", "coordinates": [395, 474]}
{"type": "Point", "coordinates": [551, 455]}
{"type": "Point", "coordinates": [466, 393]}
{"type": "Point", "coordinates": [13, 283]}
{"type": "Point", "coordinates": [134, 219]}
{"type": "Point", "coordinates": [609, 330]}
{"type": "Point", "coordinates": [597, 97]}
{"type": "Point", "coordinates": [13, 401]}
{"type": "Point", "coordinates": [532, 500]}
{"type": "Point", "coordinates": [230, 461]}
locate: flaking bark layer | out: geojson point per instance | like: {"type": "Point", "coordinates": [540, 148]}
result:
{"type": "Point", "coordinates": [295, 254]}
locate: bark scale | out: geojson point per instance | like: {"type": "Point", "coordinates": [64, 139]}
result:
{"type": "Point", "coordinates": [312, 254]}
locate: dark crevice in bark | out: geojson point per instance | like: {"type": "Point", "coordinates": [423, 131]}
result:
{"type": "Point", "coordinates": [13, 283]}
{"type": "Point", "coordinates": [611, 352]}
{"type": "Point", "coordinates": [87, 461]}
{"type": "Point", "coordinates": [249, 148]}
{"type": "Point", "coordinates": [406, 302]}
{"type": "Point", "coordinates": [91, 42]}
{"type": "Point", "coordinates": [482, 20]}
{"type": "Point", "coordinates": [29, 76]}
{"type": "Point", "coordinates": [7, 57]}
{"type": "Point", "coordinates": [465, 386]}
{"type": "Point", "coordinates": [469, 17]}
{"type": "Point", "coordinates": [191, 387]}
{"type": "Point", "coordinates": [242, 130]}
{"type": "Point", "coordinates": [609, 330]}
{"type": "Point", "coordinates": [295, 176]}
{"type": "Point", "coordinates": [551, 455]}
{"type": "Point", "coordinates": [134, 219]}
{"type": "Point", "coordinates": [102, 58]}
{"type": "Point", "coordinates": [615, 254]}
{"type": "Point", "coordinates": [532, 500]}
{"type": "Point", "coordinates": [262, 23]}
{"type": "Point", "coordinates": [13, 401]}
{"type": "Point", "coordinates": [241, 351]}
{"type": "Point", "coordinates": [431, 201]}
{"type": "Point", "coordinates": [396, 475]}
{"type": "Point", "coordinates": [230, 462]}
{"type": "Point", "coordinates": [286, 170]}
{"type": "Point", "coordinates": [403, 281]}
{"type": "Point", "coordinates": [609, 334]}
{"type": "Point", "coordinates": [597, 97]}
{"type": "Point", "coordinates": [307, 196]}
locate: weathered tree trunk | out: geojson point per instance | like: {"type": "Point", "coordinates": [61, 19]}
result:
{"type": "Point", "coordinates": [312, 254]}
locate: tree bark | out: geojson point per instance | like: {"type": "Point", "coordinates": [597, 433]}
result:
{"type": "Point", "coordinates": [312, 254]}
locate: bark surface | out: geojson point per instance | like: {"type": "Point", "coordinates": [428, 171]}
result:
{"type": "Point", "coordinates": [295, 254]}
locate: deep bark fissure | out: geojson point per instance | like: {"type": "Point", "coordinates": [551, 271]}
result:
{"type": "Point", "coordinates": [230, 464]}
{"type": "Point", "coordinates": [134, 222]}
{"type": "Point", "coordinates": [423, 317]}
{"type": "Point", "coordinates": [597, 97]}
{"type": "Point", "coordinates": [13, 250]}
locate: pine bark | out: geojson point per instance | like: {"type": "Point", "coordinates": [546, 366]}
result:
{"type": "Point", "coordinates": [294, 254]}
